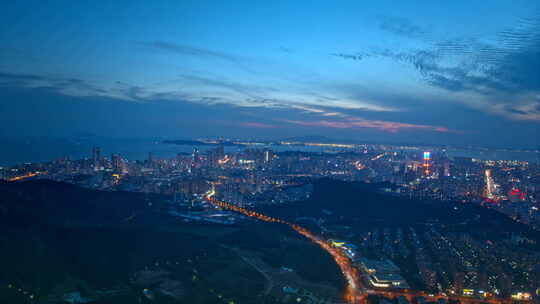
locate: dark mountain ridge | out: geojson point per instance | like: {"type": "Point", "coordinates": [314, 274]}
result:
{"type": "Point", "coordinates": [367, 205]}
{"type": "Point", "coordinates": [39, 202]}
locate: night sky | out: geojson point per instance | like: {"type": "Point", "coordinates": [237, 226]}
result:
{"type": "Point", "coordinates": [442, 72]}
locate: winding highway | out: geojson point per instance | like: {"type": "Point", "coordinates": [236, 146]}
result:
{"type": "Point", "coordinates": [25, 176]}
{"type": "Point", "coordinates": [356, 292]}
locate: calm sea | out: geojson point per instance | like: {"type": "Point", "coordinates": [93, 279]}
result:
{"type": "Point", "coordinates": [16, 151]}
{"type": "Point", "coordinates": [29, 150]}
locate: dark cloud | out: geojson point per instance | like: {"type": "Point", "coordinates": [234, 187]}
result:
{"type": "Point", "coordinates": [509, 67]}
{"type": "Point", "coordinates": [459, 46]}
{"type": "Point", "coordinates": [171, 115]}
{"type": "Point", "coordinates": [285, 49]}
{"type": "Point", "coordinates": [249, 90]}
{"type": "Point", "coordinates": [56, 84]}
{"type": "Point", "coordinates": [190, 50]}
{"type": "Point", "coordinates": [135, 92]}
{"type": "Point", "coordinates": [402, 27]}
{"type": "Point", "coordinates": [505, 72]}
{"type": "Point", "coordinates": [243, 63]}
{"type": "Point", "coordinates": [446, 83]}
{"type": "Point", "coordinates": [349, 56]}
{"type": "Point", "coordinates": [515, 111]}
{"type": "Point", "coordinates": [68, 115]}
{"type": "Point", "coordinates": [10, 76]}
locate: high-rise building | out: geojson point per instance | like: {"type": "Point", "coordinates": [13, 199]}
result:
{"type": "Point", "coordinates": [268, 155]}
{"type": "Point", "coordinates": [195, 157]}
{"type": "Point", "coordinates": [117, 163]}
{"type": "Point", "coordinates": [447, 168]}
{"type": "Point", "coordinates": [258, 156]}
{"type": "Point", "coordinates": [427, 162]}
{"type": "Point", "coordinates": [96, 157]}
{"type": "Point", "coordinates": [220, 151]}
{"type": "Point", "coordinates": [215, 155]}
{"type": "Point", "coordinates": [459, 278]}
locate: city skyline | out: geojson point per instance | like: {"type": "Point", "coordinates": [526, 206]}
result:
{"type": "Point", "coordinates": [416, 225]}
{"type": "Point", "coordinates": [452, 74]}
{"type": "Point", "coordinates": [270, 152]}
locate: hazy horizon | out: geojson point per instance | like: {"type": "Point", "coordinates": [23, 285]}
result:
{"type": "Point", "coordinates": [453, 73]}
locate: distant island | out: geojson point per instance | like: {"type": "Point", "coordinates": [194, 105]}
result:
{"type": "Point", "coordinates": [202, 143]}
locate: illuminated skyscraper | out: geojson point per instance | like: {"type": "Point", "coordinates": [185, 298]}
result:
{"type": "Point", "coordinates": [195, 155]}
{"type": "Point", "coordinates": [427, 160]}
{"type": "Point", "coordinates": [268, 155]}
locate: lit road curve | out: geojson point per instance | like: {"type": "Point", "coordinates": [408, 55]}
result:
{"type": "Point", "coordinates": [25, 176]}
{"type": "Point", "coordinates": [355, 292]}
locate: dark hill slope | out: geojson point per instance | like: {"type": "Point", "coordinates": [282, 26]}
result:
{"type": "Point", "coordinates": [57, 238]}
{"type": "Point", "coordinates": [53, 203]}
{"type": "Point", "coordinates": [364, 205]}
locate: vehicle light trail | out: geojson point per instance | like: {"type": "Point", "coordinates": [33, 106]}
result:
{"type": "Point", "coordinates": [347, 269]}
{"type": "Point", "coordinates": [25, 176]}
{"type": "Point", "coordinates": [355, 293]}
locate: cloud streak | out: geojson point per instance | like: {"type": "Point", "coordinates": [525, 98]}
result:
{"type": "Point", "coordinates": [504, 74]}
{"type": "Point", "coordinates": [356, 57]}
{"type": "Point", "coordinates": [66, 86]}
{"type": "Point", "coordinates": [189, 50]}
{"type": "Point", "coordinates": [386, 126]}
{"type": "Point", "coordinates": [257, 125]}
{"type": "Point", "coordinates": [402, 27]}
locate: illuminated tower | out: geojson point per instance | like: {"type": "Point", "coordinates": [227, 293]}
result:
{"type": "Point", "coordinates": [268, 155]}
{"type": "Point", "coordinates": [427, 160]}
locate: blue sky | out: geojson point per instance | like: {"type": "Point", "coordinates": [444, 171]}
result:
{"type": "Point", "coordinates": [463, 72]}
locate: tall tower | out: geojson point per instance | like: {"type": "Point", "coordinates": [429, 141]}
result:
{"type": "Point", "coordinates": [268, 155]}
{"type": "Point", "coordinates": [96, 157]}
{"type": "Point", "coordinates": [117, 163]}
{"type": "Point", "coordinates": [195, 157]}
{"type": "Point", "coordinates": [427, 162]}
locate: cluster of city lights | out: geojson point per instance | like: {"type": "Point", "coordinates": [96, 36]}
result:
{"type": "Point", "coordinates": [356, 292]}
